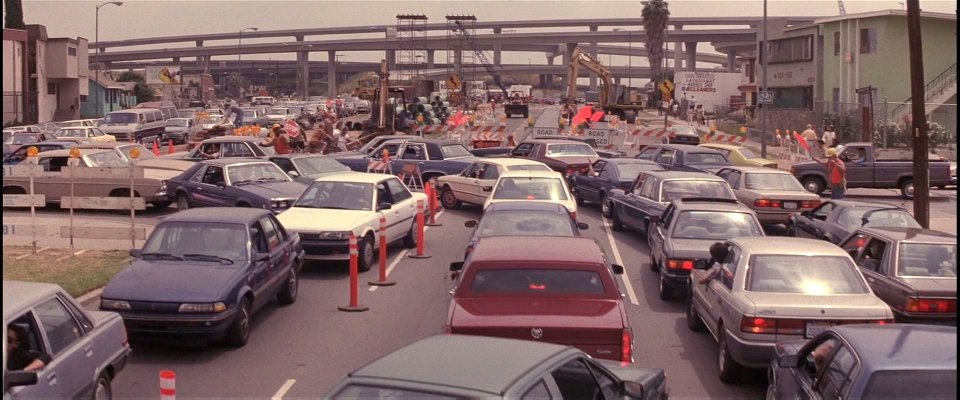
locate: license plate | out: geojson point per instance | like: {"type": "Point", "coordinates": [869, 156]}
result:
{"type": "Point", "coordinates": [790, 205]}
{"type": "Point", "coordinates": [815, 328]}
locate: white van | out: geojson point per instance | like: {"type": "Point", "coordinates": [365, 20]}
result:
{"type": "Point", "coordinates": [142, 125]}
{"type": "Point", "coordinates": [263, 100]}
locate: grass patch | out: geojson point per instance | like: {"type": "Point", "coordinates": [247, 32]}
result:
{"type": "Point", "coordinates": [77, 275]}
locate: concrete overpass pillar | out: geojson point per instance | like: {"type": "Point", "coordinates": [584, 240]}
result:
{"type": "Point", "coordinates": [677, 50]}
{"type": "Point", "coordinates": [549, 77]}
{"type": "Point", "coordinates": [392, 61]}
{"type": "Point", "coordinates": [691, 48]}
{"type": "Point", "coordinates": [594, 52]}
{"type": "Point", "coordinates": [617, 80]}
{"type": "Point", "coordinates": [199, 43]}
{"type": "Point", "coordinates": [567, 57]}
{"type": "Point", "coordinates": [458, 61]}
{"type": "Point", "coordinates": [176, 60]}
{"type": "Point", "coordinates": [497, 54]}
{"type": "Point", "coordinates": [303, 64]}
{"type": "Point", "coordinates": [204, 62]}
{"type": "Point", "coordinates": [732, 61]}
{"type": "Point", "coordinates": [331, 74]}
{"type": "Point", "coordinates": [430, 58]}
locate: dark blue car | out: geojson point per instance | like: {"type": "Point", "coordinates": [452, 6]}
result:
{"type": "Point", "coordinates": [230, 182]}
{"type": "Point", "coordinates": [433, 158]}
{"type": "Point", "coordinates": [606, 174]}
{"type": "Point", "coordinates": [896, 361]}
{"type": "Point", "coordinates": [20, 153]}
{"type": "Point", "coordinates": [202, 273]}
{"type": "Point", "coordinates": [683, 157]}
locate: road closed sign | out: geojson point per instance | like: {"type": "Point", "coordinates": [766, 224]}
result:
{"type": "Point", "coordinates": [601, 136]}
{"type": "Point", "coordinates": [544, 131]}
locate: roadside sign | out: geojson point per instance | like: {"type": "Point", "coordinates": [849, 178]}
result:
{"type": "Point", "coordinates": [102, 232]}
{"type": "Point", "coordinates": [39, 230]}
{"type": "Point", "coordinates": [544, 131]}
{"type": "Point", "coordinates": [102, 203]}
{"type": "Point", "coordinates": [24, 200]}
{"type": "Point", "coordinates": [101, 172]}
{"type": "Point", "coordinates": [666, 86]}
{"type": "Point", "coordinates": [765, 97]}
{"type": "Point", "coordinates": [601, 136]}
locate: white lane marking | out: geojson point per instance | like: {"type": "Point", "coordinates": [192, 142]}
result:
{"type": "Point", "coordinates": [283, 389]}
{"type": "Point", "coordinates": [616, 257]}
{"type": "Point", "coordinates": [403, 254]}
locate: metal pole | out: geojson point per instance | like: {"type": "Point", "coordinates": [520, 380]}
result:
{"type": "Point", "coordinates": [33, 212]}
{"type": "Point", "coordinates": [239, 40]}
{"type": "Point", "coordinates": [763, 83]}
{"type": "Point", "coordinates": [133, 226]}
{"type": "Point", "coordinates": [921, 173]}
{"type": "Point", "coordinates": [96, 113]}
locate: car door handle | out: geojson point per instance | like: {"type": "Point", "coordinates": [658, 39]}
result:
{"type": "Point", "coordinates": [421, 162]}
{"type": "Point", "coordinates": [52, 379]}
{"type": "Point", "coordinates": [871, 280]}
{"type": "Point", "coordinates": [88, 351]}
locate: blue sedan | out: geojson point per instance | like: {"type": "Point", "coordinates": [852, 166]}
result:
{"type": "Point", "coordinates": [230, 182]}
{"type": "Point", "coordinates": [202, 273]}
{"type": "Point", "coordinates": [606, 174]}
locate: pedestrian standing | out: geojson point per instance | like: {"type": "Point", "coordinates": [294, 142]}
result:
{"type": "Point", "coordinates": [342, 138]}
{"type": "Point", "coordinates": [829, 137]}
{"type": "Point", "coordinates": [281, 145]}
{"type": "Point", "coordinates": [675, 108]}
{"type": "Point", "coordinates": [836, 174]}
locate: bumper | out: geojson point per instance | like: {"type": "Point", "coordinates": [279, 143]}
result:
{"type": "Point", "coordinates": [679, 281]}
{"type": "Point", "coordinates": [175, 326]}
{"type": "Point", "coordinates": [750, 353]}
{"type": "Point", "coordinates": [324, 249]}
{"type": "Point", "coordinates": [944, 319]}
{"type": "Point", "coordinates": [775, 217]}
{"type": "Point", "coordinates": [120, 362]}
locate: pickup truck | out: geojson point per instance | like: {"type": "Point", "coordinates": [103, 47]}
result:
{"type": "Point", "coordinates": [516, 104]}
{"type": "Point", "coordinates": [865, 170]}
{"type": "Point", "coordinates": [433, 157]}
{"type": "Point", "coordinates": [83, 350]}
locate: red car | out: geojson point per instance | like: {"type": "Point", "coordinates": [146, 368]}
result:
{"type": "Point", "coordinates": [564, 156]}
{"type": "Point", "coordinates": [552, 289]}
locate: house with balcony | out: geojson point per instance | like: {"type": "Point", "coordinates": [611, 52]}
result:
{"type": "Point", "coordinates": [14, 76]}
{"type": "Point", "coordinates": [44, 79]}
{"type": "Point", "coordinates": [107, 95]}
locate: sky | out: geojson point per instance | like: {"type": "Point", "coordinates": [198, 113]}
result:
{"type": "Point", "coordinates": [155, 18]}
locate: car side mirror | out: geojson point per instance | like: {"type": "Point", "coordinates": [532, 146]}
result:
{"type": "Point", "coordinates": [789, 361]}
{"type": "Point", "coordinates": [617, 269]}
{"type": "Point", "coordinates": [384, 206]}
{"type": "Point", "coordinates": [293, 174]}
{"type": "Point", "coordinates": [471, 223]}
{"type": "Point", "coordinates": [18, 378]}
{"type": "Point", "coordinates": [456, 266]}
{"type": "Point", "coordinates": [700, 264]}
{"type": "Point", "coordinates": [136, 253]}
{"type": "Point", "coordinates": [488, 188]}
{"type": "Point", "coordinates": [258, 257]}
{"type": "Point", "coordinates": [631, 389]}
{"type": "Point", "coordinates": [582, 226]}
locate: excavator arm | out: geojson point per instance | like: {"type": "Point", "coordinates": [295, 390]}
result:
{"type": "Point", "coordinates": [578, 58]}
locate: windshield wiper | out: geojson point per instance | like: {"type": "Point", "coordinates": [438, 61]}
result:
{"type": "Point", "coordinates": [238, 183]}
{"type": "Point", "coordinates": [167, 256]}
{"type": "Point", "coordinates": [268, 179]}
{"type": "Point", "coordinates": [209, 256]}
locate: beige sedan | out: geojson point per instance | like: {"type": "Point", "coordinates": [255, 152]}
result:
{"type": "Point", "coordinates": [90, 133]}
{"type": "Point", "coordinates": [771, 193]}
{"type": "Point", "coordinates": [473, 185]}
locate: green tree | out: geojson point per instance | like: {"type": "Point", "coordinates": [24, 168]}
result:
{"type": "Point", "coordinates": [655, 16]}
{"type": "Point", "coordinates": [143, 92]}
{"type": "Point", "coordinates": [14, 18]}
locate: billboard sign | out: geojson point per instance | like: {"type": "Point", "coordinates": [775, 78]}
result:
{"type": "Point", "coordinates": [157, 75]}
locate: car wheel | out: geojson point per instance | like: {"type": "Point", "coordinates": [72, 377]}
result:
{"type": "Point", "coordinates": [694, 322]}
{"type": "Point", "coordinates": [605, 205]}
{"type": "Point", "coordinates": [666, 291]}
{"type": "Point", "coordinates": [183, 203]}
{"type": "Point", "coordinates": [366, 254]}
{"type": "Point", "coordinates": [617, 223]}
{"type": "Point", "coordinates": [813, 184]}
{"type": "Point", "coordinates": [288, 294]}
{"type": "Point", "coordinates": [410, 241]}
{"type": "Point", "coordinates": [771, 392]}
{"type": "Point", "coordinates": [161, 204]}
{"type": "Point", "coordinates": [729, 369]}
{"type": "Point", "coordinates": [653, 263]}
{"type": "Point", "coordinates": [239, 331]}
{"type": "Point", "coordinates": [448, 199]}
{"type": "Point", "coordinates": [906, 189]}
{"type": "Point", "coordinates": [103, 390]}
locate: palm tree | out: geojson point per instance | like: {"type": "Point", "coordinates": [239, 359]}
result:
{"type": "Point", "coordinates": [655, 15]}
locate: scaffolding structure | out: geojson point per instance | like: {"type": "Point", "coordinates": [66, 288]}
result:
{"type": "Point", "coordinates": [411, 54]}
{"type": "Point", "coordinates": [461, 60]}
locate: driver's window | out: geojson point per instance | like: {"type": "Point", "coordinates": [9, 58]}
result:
{"type": "Point", "coordinates": [872, 257]}
{"type": "Point", "coordinates": [668, 216]}
{"type": "Point", "coordinates": [598, 166]}
{"type": "Point", "coordinates": [522, 150]}
{"type": "Point", "coordinates": [647, 154]}
{"type": "Point", "coordinates": [391, 150]}
{"type": "Point", "coordinates": [729, 267]}
{"type": "Point", "coordinates": [383, 194]}
{"type": "Point", "coordinates": [837, 375]}
{"type": "Point", "coordinates": [258, 239]}
{"type": "Point", "coordinates": [822, 212]}
{"type": "Point", "coordinates": [398, 192]}
{"type": "Point", "coordinates": [213, 175]}
{"type": "Point", "coordinates": [414, 152]}
{"type": "Point", "coordinates": [665, 157]}
{"type": "Point", "coordinates": [198, 176]}
{"type": "Point", "coordinates": [733, 178]}
{"type": "Point", "coordinates": [491, 172]}
{"type": "Point", "coordinates": [575, 381]}
{"type": "Point", "coordinates": [284, 163]}
{"type": "Point", "coordinates": [649, 188]}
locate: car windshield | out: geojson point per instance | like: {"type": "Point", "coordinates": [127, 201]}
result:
{"type": "Point", "coordinates": [530, 189]}
{"type": "Point", "coordinates": [211, 119]}
{"type": "Point", "coordinates": [176, 122]}
{"type": "Point", "coordinates": [20, 139]}
{"type": "Point", "coordinates": [629, 172]}
{"type": "Point", "coordinates": [525, 223]}
{"type": "Point", "coordinates": [279, 111]}
{"type": "Point", "coordinates": [249, 114]}
{"type": "Point", "coordinates": [337, 195]}
{"type": "Point", "coordinates": [715, 225]}
{"type": "Point", "coordinates": [927, 260]}
{"type": "Point", "coordinates": [454, 150]}
{"type": "Point", "coordinates": [852, 218]}
{"type": "Point", "coordinates": [537, 281]}
{"type": "Point", "coordinates": [367, 391]}
{"type": "Point", "coordinates": [79, 133]}
{"type": "Point", "coordinates": [747, 153]}
{"type": "Point", "coordinates": [255, 172]}
{"type": "Point", "coordinates": [678, 189]}
{"type": "Point", "coordinates": [120, 118]}
{"type": "Point", "coordinates": [528, 167]}
{"type": "Point", "coordinates": [905, 384]}
{"type": "Point", "coordinates": [186, 113]}
{"type": "Point", "coordinates": [318, 165]}
{"type": "Point", "coordinates": [768, 181]}
{"type": "Point", "coordinates": [570, 149]}
{"type": "Point", "coordinates": [228, 241]}
{"type": "Point", "coordinates": [105, 159]}
{"type": "Point", "coordinates": [685, 129]}
{"type": "Point", "coordinates": [705, 158]}
{"type": "Point", "coordinates": [145, 154]}
{"type": "Point", "coordinates": [812, 275]}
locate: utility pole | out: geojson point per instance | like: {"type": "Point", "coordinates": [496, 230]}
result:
{"type": "Point", "coordinates": [763, 107]}
{"type": "Point", "coordinates": [921, 171]}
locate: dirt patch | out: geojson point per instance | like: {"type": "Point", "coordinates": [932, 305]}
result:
{"type": "Point", "coordinates": [77, 274]}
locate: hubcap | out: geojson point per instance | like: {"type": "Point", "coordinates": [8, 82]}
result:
{"type": "Point", "coordinates": [368, 254]}
{"type": "Point", "coordinates": [812, 186]}
{"type": "Point", "coordinates": [293, 283]}
{"type": "Point", "coordinates": [605, 206]}
{"type": "Point", "coordinates": [244, 321]}
{"type": "Point", "coordinates": [448, 198]}
{"type": "Point", "coordinates": [102, 392]}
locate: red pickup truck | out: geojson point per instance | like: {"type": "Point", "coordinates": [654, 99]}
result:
{"type": "Point", "coordinates": [564, 293]}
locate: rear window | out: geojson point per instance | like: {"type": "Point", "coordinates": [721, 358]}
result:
{"type": "Point", "coordinates": [768, 181]}
{"type": "Point", "coordinates": [105, 159]}
{"type": "Point", "coordinates": [900, 384]}
{"type": "Point", "coordinates": [530, 189]}
{"type": "Point", "coordinates": [570, 149]}
{"type": "Point", "coordinates": [120, 118]}
{"type": "Point", "coordinates": [928, 260]}
{"type": "Point", "coordinates": [528, 167]}
{"type": "Point", "coordinates": [852, 218]}
{"type": "Point", "coordinates": [454, 150]}
{"type": "Point", "coordinates": [537, 281]}
{"type": "Point", "coordinates": [705, 158]}
{"type": "Point", "coordinates": [715, 225]}
{"type": "Point", "coordinates": [678, 189]}
{"type": "Point", "coordinates": [811, 275]}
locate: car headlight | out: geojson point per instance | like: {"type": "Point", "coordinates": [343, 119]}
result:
{"type": "Point", "coordinates": [335, 235]}
{"type": "Point", "coordinates": [163, 186]}
{"type": "Point", "coordinates": [276, 203]}
{"type": "Point", "coordinates": [108, 304]}
{"type": "Point", "coordinates": [202, 307]}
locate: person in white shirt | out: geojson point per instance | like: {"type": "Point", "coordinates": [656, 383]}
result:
{"type": "Point", "coordinates": [829, 136]}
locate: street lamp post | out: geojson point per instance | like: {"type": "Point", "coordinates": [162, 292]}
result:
{"type": "Point", "coordinates": [239, 55]}
{"type": "Point", "coordinates": [764, 49]}
{"type": "Point", "coordinates": [97, 39]}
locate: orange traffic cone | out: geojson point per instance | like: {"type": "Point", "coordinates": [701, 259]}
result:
{"type": "Point", "coordinates": [170, 148]}
{"type": "Point", "coordinates": [156, 149]}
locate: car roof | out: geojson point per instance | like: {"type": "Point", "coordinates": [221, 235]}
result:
{"type": "Point", "coordinates": [359, 177]}
{"type": "Point", "coordinates": [902, 346]}
{"type": "Point", "coordinates": [234, 161]}
{"type": "Point", "coordinates": [66, 152]}
{"type": "Point", "coordinates": [525, 206]}
{"type": "Point", "coordinates": [463, 361]}
{"type": "Point", "coordinates": [668, 175]}
{"type": "Point", "coordinates": [232, 139]}
{"type": "Point", "coordinates": [688, 148]}
{"type": "Point", "coordinates": [624, 160]}
{"type": "Point", "coordinates": [855, 203]}
{"type": "Point", "coordinates": [231, 215]}
{"type": "Point", "coordinates": [18, 295]}
{"type": "Point", "coordinates": [531, 248]}
{"type": "Point", "coordinates": [531, 174]}
{"type": "Point", "coordinates": [548, 141]}
{"type": "Point", "coordinates": [763, 170]}
{"type": "Point", "coordinates": [510, 161]}
{"type": "Point", "coordinates": [721, 146]}
{"type": "Point", "coordinates": [788, 246]}
{"type": "Point", "coordinates": [710, 204]}
{"type": "Point", "coordinates": [291, 156]}
{"type": "Point", "coordinates": [104, 145]}
{"type": "Point", "coordinates": [417, 139]}
{"type": "Point", "coordinates": [911, 235]}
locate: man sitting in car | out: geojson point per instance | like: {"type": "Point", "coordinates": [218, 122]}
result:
{"type": "Point", "coordinates": [19, 356]}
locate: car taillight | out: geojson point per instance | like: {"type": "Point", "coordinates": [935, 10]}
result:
{"type": "Point", "coordinates": [931, 305]}
{"type": "Point", "coordinates": [767, 203]}
{"type": "Point", "coordinates": [809, 203]}
{"type": "Point", "coordinates": [573, 215]}
{"type": "Point", "coordinates": [674, 263]}
{"type": "Point", "coordinates": [771, 325]}
{"type": "Point", "coordinates": [626, 346]}
{"type": "Point", "coordinates": [792, 171]}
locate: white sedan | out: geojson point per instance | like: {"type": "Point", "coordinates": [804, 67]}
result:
{"type": "Point", "coordinates": [473, 185]}
{"type": "Point", "coordinates": [541, 186]}
{"type": "Point", "coordinates": [335, 205]}
{"type": "Point", "coordinates": [89, 133]}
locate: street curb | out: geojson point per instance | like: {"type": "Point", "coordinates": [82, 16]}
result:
{"type": "Point", "coordinates": [90, 295]}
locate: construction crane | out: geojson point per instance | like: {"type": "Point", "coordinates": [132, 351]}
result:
{"type": "Point", "coordinates": [843, 11]}
{"type": "Point", "coordinates": [483, 59]}
{"type": "Point", "coordinates": [611, 95]}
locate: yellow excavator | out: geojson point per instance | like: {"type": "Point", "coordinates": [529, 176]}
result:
{"type": "Point", "coordinates": [615, 99]}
